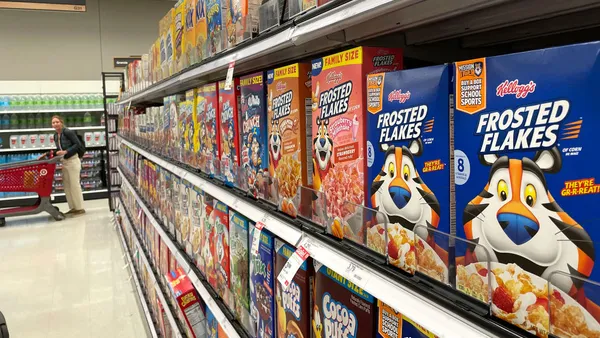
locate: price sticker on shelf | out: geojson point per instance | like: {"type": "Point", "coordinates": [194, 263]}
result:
{"type": "Point", "coordinates": [140, 214]}
{"type": "Point", "coordinates": [236, 203]}
{"type": "Point", "coordinates": [256, 237]}
{"type": "Point", "coordinates": [291, 266]}
{"type": "Point", "coordinates": [357, 275]}
{"type": "Point", "coordinates": [229, 78]}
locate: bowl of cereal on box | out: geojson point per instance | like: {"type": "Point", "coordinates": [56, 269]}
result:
{"type": "Point", "coordinates": [568, 318]}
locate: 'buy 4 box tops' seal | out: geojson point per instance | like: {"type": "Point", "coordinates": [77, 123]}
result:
{"type": "Point", "coordinates": [254, 156]}
{"type": "Point", "coordinates": [525, 171]}
{"type": "Point", "coordinates": [408, 167]}
{"type": "Point", "coordinates": [262, 285]}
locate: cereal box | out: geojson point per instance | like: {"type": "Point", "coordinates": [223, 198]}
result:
{"type": "Point", "coordinates": [189, 302]}
{"type": "Point", "coordinates": [245, 18]}
{"type": "Point", "coordinates": [214, 21]}
{"type": "Point", "coordinates": [238, 239]}
{"type": "Point", "coordinates": [254, 158]}
{"type": "Point", "coordinates": [209, 248]}
{"type": "Point", "coordinates": [393, 324]}
{"type": "Point", "coordinates": [200, 130]}
{"type": "Point", "coordinates": [289, 114]}
{"type": "Point", "coordinates": [167, 43]}
{"type": "Point", "coordinates": [338, 130]}
{"type": "Point", "coordinates": [209, 132]}
{"type": "Point", "coordinates": [229, 13]}
{"type": "Point", "coordinates": [261, 285]}
{"type": "Point", "coordinates": [156, 61]}
{"type": "Point", "coordinates": [408, 167]}
{"type": "Point", "coordinates": [179, 15]}
{"type": "Point", "coordinates": [207, 225]}
{"type": "Point", "coordinates": [189, 47]}
{"type": "Point", "coordinates": [525, 185]}
{"type": "Point", "coordinates": [189, 129]}
{"type": "Point", "coordinates": [211, 324]}
{"type": "Point", "coordinates": [201, 30]}
{"type": "Point", "coordinates": [221, 256]}
{"type": "Point", "coordinates": [192, 247]}
{"type": "Point", "coordinates": [335, 296]}
{"type": "Point", "coordinates": [186, 222]}
{"type": "Point", "coordinates": [229, 130]}
{"type": "Point", "coordinates": [169, 214]}
{"type": "Point", "coordinates": [176, 197]}
{"type": "Point", "coordinates": [294, 302]}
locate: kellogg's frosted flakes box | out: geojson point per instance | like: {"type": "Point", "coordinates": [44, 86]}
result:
{"type": "Point", "coordinates": [221, 254]}
{"type": "Point", "coordinates": [341, 309]}
{"type": "Point", "coordinates": [214, 22]}
{"type": "Point", "coordinates": [525, 149]}
{"type": "Point", "coordinates": [201, 31]}
{"type": "Point", "coordinates": [209, 132]}
{"type": "Point", "coordinates": [289, 113]}
{"type": "Point", "coordinates": [294, 302]}
{"type": "Point", "coordinates": [338, 131]}
{"type": "Point", "coordinates": [254, 158]}
{"type": "Point", "coordinates": [229, 130]}
{"type": "Point", "coordinates": [262, 285]}
{"type": "Point", "coordinates": [393, 324]}
{"type": "Point", "coordinates": [408, 162]}
{"type": "Point", "coordinates": [240, 265]}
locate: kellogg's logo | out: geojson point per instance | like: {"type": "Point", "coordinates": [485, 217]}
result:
{"type": "Point", "coordinates": [514, 88]}
{"type": "Point", "coordinates": [281, 86]}
{"type": "Point", "coordinates": [398, 95]}
{"type": "Point", "coordinates": [334, 77]}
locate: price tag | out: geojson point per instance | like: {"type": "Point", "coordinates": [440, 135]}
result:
{"type": "Point", "coordinates": [140, 214]}
{"type": "Point", "coordinates": [235, 203]}
{"type": "Point", "coordinates": [256, 237]}
{"type": "Point", "coordinates": [291, 267]}
{"type": "Point", "coordinates": [357, 275]}
{"type": "Point", "coordinates": [229, 78]}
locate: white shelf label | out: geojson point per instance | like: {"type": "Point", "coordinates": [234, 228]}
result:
{"type": "Point", "coordinates": [291, 266]}
{"type": "Point", "coordinates": [357, 275]}
{"type": "Point", "coordinates": [229, 78]}
{"type": "Point", "coordinates": [256, 237]}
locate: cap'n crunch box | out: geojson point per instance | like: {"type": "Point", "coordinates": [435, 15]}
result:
{"type": "Point", "coordinates": [189, 39]}
{"type": "Point", "coordinates": [408, 162]}
{"type": "Point", "coordinates": [200, 30]}
{"type": "Point", "coordinates": [179, 15]}
{"type": "Point", "coordinates": [229, 130]}
{"type": "Point", "coordinates": [209, 132]}
{"type": "Point", "coordinates": [294, 302]}
{"type": "Point", "coordinates": [254, 156]}
{"type": "Point", "coordinates": [289, 122]}
{"type": "Point", "coordinates": [525, 168]}
{"type": "Point", "coordinates": [338, 130]}
{"type": "Point", "coordinates": [214, 22]}
{"type": "Point", "coordinates": [221, 253]}
{"type": "Point", "coordinates": [341, 309]}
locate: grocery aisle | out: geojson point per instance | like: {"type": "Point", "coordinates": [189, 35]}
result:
{"type": "Point", "coordinates": [66, 279]}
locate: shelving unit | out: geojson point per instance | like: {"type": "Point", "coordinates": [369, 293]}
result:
{"type": "Point", "coordinates": [111, 120]}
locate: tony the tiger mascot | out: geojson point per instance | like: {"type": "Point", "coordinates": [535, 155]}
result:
{"type": "Point", "coordinates": [322, 154]}
{"type": "Point", "coordinates": [516, 218]}
{"type": "Point", "coordinates": [274, 145]}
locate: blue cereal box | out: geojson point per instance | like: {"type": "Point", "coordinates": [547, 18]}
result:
{"type": "Point", "coordinates": [254, 152]}
{"type": "Point", "coordinates": [240, 265]}
{"type": "Point", "coordinates": [211, 324]}
{"type": "Point", "coordinates": [525, 167]}
{"type": "Point", "coordinates": [408, 172]}
{"type": "Point", "coordinates": [261, 285]}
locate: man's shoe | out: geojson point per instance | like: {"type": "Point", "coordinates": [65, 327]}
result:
{"type": "Point", "coordinates": [70, 212]}
{"type": "Point", "coordinates": [78, 212]}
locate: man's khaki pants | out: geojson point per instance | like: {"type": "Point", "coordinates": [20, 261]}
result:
{"type": "Point", "coordinates": [71, 172]}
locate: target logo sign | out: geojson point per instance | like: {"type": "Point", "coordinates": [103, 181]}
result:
{"type": "Point", "coordinates": [43, 172]}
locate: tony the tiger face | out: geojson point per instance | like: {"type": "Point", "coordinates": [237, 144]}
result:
{"type": "Point", "coordinates": [516, 218]}
{"type": "Point", "coordinates": [323, 145]}
{"type": "Point", "coordinates": [399, 192]}
{"type": "Point", "coordinates": [275, 140]}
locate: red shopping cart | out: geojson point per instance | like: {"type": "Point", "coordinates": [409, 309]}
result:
{"type": "Point", "coordinates": [30, 176]}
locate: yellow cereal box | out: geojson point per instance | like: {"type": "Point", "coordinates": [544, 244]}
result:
{"type": "Point", "coordinates": [166, 48]}
{"type": "Point", "coordinates": [200, 29]}
{"type": "Point", "coordinates": [157, 75]}
{"type": "Point", "coordinates": [189, 126]}
{"type": "Point", "coordinates": [199, 106]}
{"type": "Point", "coordinates": [289, 106]}
{"type": "Point", "coordinates": [179, 36]}
{"type": "Point", "coordinates": [189, 46]}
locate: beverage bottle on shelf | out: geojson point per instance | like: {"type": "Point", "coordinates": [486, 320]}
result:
{"type": "Point", "coordinates": [44, 102]}
{"type": "Point", "coordinates": [37, 102]}
{"type": "Point", "coordinates": [17, 102]}
{"type": "Point", "coordinates": [3, 102]}
{"type": "Point", "coordinates": [22, 121]}
{"type": "Point", "coordinates": [52, 101]}
{"type": "Point", "coordinates": [87, 119]}
{"type": "Point", "coordinates": [99, 101]}
{"type": "Point", "coordinates": [47, 120]}
{"type": "Point", "coordinates": [14, 121]}
{"type": "Point", "coordinates": [78, 120]}
{"type": "Point", "coordinates": [26, 102]}
{"type": "Point", "coordinates": [62, 101]}
{"type": "Point", "coordinates": [31, 121]}
{"type": "Point", "coordinates": [39, 121]}
{"type": "Point", "coordinates": [69, 120]}
{"type": "Point", "coordinates": [5, 122]}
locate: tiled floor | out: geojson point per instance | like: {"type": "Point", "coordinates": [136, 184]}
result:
{"type": "Point", "coordinates": [66, 279]}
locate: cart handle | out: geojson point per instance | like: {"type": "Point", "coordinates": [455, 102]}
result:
{"type": "Point", "coordinates": [52, 160]}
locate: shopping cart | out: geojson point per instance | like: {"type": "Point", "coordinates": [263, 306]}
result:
{"type": "Point", "coordinates": [30, 176]}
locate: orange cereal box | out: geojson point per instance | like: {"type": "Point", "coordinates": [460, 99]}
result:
{"type": "Point", "coordinates": [339, 130]}
{"type": "Point", "coordinates": [289, 114]}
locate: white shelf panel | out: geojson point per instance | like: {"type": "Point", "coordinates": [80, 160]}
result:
{"type": "Point", "coordinates": [47, 129]}
{"type": "Point", "coordinates": [51, 196]}
{"type": "Point", "coordinates": [415, 306]}
{"type": "Point", "coordinates": [155, 282]}
{"type": "Point", "coordinates": [180, 257]}
{"type": "Point", "coordinates": [58, 111]}
{"type": "Point", "coordinates": [137, 283]}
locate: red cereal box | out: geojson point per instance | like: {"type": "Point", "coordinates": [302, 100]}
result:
{"type": "Point", "coordinates": [338, 130]}
{"type": "Point", "coordinates": [189, 303]}
{"type": "Point", "coordinates": [229, 130]}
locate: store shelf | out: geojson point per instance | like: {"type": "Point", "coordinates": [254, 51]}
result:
{"type": "Point", "coordinates": [137, 284]}
{"type": "Point", "coordinates": [155, 282]}
{"type": "Point", "coordinates": [58, 111]}
{"type": "Point", "coordinates": [27, 150]}
{"type": "Point", "coordinates": [180, 256]}
{"type": "Point", "coordinates": [47, 129]}
{"type": "Point", "coordinates": [404, 299]}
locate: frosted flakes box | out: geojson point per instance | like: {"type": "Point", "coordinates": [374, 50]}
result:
{"type": "Point", "coordinates": [209, 133]}
{"type": "Point", "coordinates": [341, 309]}
{"type": "Point", "coordinates": [240, 265]}
{"type": "Point", "coordinates": [289, 109]}
{"type": "Point", "coordinates": [393, 324]}
{"type": "Point", "coordinates": [408, 162]}
{"type": "Point", "coordinates": [262, 285]}
{"type": "Point", "coordinates": [201, 31]}
{"type": "Point", "coordinates": [339, 132]}
{"type": "Point", "coordinates": [189, 45]}
{"type": "Point", "coordinates": [214, 23]}
{"type": "Point", "coordinates": [229, 130]}
{"type": "Point", "coordinates": [525, 149]}
{"type": "Point", "coordinates": [294, 302]}
{"type": "Point", "coordinates": [221, 257]}
{"type": "Point", "coordinates": [254, 155]}
{"type": "Point", "coordinates": [196, 214]}
{"type": "Point", "coordinates": [189, 128]}
{"type": "Point", "coordinates": [179, 16]}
